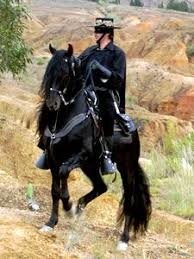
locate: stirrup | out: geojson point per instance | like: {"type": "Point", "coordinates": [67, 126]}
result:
{"type": "Point", "coordinates": [42, 162]}
{"type": "Point", "coordinates": [107, 166]}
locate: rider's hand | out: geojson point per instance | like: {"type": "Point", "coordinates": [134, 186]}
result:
{"type": "Point", "coordinates": [95, 64]}
{"type": "Point", "coordinates": [105, 72]}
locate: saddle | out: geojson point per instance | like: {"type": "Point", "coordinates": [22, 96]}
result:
{"type": "Point", "coordinates": [123, 122]}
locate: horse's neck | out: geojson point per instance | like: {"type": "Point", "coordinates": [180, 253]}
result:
{"type": "Point", "coordinates": [68, 112]}
{"type": "Point", "coordinates": [59, 118]}
{"type": "Point", "coordinates": [76, 84]}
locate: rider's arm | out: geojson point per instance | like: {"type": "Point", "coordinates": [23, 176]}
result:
{"type": "Point", "coordinates": [118, 70]}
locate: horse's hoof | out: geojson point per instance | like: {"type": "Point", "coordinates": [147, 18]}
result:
{"type": "Point", "coordinates": [72, 213]}
{"type": "Point", "coordinates": [122, 246]}
{"type": "Point", "coordinates": [46, 229]}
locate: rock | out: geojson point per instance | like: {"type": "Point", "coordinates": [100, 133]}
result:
{"type": "Point", "coordinates": [33, 205]}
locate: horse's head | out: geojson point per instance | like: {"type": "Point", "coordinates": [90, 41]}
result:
{"type": "Point", "coordinates": [61, 72]}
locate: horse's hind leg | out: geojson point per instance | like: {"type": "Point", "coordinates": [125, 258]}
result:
{"type": "Point", "coordinates": [135, 205]}
{"type": "Point", "coordinates": [99, 187]}
{"type": "Point", "coordinates": [123, 242]}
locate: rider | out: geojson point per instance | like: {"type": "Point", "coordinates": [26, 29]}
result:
{"type": "Point", "coordinates": [108, 64]}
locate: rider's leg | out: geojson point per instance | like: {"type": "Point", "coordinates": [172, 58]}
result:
{"type": "Point", "coordinates": [107, 114]}
{"type": "Point", "coordinates": [107, 166]}
{"type": "Point", "coordinates": [42, 161]}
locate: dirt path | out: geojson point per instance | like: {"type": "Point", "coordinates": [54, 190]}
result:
{"type": "Point", "coordinates": [84, 238]}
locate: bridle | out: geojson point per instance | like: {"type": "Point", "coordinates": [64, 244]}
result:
{"type": "Point", "coordinates": [61, 93]}
{"type": "Point", "coordinates": [62, 97]}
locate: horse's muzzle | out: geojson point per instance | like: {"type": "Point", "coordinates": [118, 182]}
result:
{"type": "Point", "coordinates": [53, 105]}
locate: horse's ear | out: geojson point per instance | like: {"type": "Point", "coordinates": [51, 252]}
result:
{"type": "Point", "coordinates": [70, 50]}
{"type": "Point", "coordinates": [52, 50]}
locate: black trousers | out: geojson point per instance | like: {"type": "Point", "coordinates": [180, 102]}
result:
{"type": "Point", "coordinates": [107, 112]}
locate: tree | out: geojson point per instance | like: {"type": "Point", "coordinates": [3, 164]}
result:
{"type": "Point", "coordinates": [178, 6]}
{"type": "Point", "coordinates": [14, 53]}
{"type": "Point", "coordinates": [136, 3]}
{"type": "Point", "coordinates": [161, 5]}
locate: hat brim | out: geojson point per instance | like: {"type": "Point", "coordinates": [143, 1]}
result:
{"type": "Point", "coordinates": [112, 27]}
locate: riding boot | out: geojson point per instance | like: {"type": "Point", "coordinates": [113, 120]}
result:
{"type": "Point", "coordinates": [107, 166]}
{"type": "Point", "coordinates": [42, 161]}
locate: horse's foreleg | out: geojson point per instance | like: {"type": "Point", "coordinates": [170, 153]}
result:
{"type": "Point", "coordinates": [55, 192]}
{"type": "Point", "coordinates": [99, 187]}
{"type": "Point", "coordinates": [67, 204]}
{"type": "Point", "coordinates": [84, 200]}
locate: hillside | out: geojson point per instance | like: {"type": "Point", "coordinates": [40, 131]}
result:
{"type": "Point", "coordinates": [155, 42]}
{"type": "Point", "coordinates": [160, 89]}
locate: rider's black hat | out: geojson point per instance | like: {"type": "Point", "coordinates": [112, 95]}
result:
{"type": "Point", "coordinates": [104, 25]}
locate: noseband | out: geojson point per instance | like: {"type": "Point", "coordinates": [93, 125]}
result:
{"type": "Point", "coordinates": [60, 93]}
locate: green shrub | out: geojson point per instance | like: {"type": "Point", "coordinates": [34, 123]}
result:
{"type": "Point", "coordinates": [178, 6]}
{"type": "Point", "coordinates": [190, 50]}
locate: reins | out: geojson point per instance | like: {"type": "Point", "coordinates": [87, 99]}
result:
{"type": "Point", "coordinates": [90, 76]}
{"type": "Point", "coordinates": [77, 119]}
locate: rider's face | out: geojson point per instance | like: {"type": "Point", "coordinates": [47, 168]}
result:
{"type": "Point", "coordinates": [97, 35]}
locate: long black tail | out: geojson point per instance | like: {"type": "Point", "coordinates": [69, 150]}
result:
{"type": "Point", "coordinates": [136, 201]}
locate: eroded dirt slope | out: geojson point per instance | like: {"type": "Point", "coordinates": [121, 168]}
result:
{"type": "Point", "coordinates": [155, 44]}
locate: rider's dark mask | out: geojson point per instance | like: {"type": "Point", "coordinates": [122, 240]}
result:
{"type": "Point", "coordinates": [103, 29]}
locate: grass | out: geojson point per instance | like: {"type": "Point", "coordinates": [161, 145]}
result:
{"type": "Point", "coordinates": [171, 174]}
{"type": "Point", "coordinates": [31, 79]}
{"type": "Point", "coordinates": [179, 195]}
{"type": "Point", "coordinates": [29, 191]}
{"type": "Point", "coordinates": [41, 60]}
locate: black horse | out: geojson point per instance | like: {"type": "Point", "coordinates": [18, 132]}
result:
{"type": "Point", "coordinates": [69, 131]}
